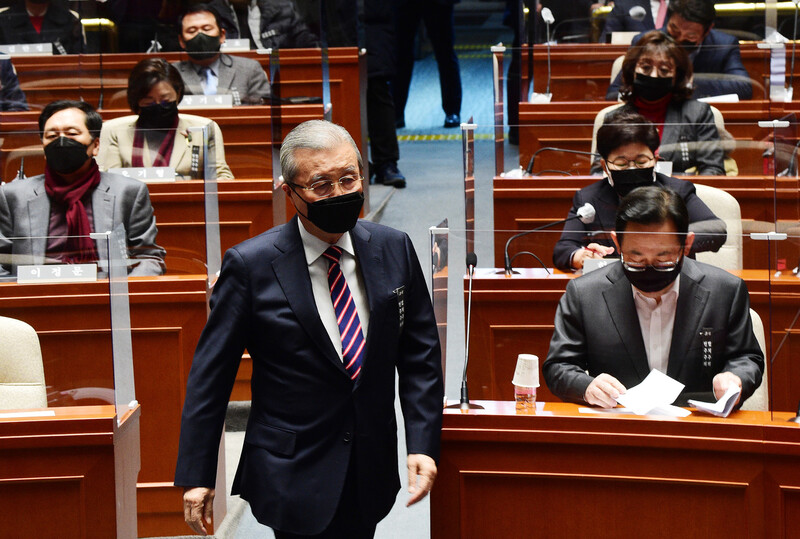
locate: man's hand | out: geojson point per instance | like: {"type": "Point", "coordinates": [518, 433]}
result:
{"type": "Point", "coordinates": [198, 505]}
{"type": "Point", "coordinates": [604, 391]}
{"type": "Point", "coordinates": [421, 474]}
{"type": "Point", "coordinates": [593, 250]}
{"type": "Point", "coordinates": [723, 381]}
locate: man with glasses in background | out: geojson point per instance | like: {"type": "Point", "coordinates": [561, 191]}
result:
{"type": "Point", "coordinates": [329, 307]}
{"type": "Point", "coordinates": [627, 144]}
{"type": "Point", "coordinates": [656, 309]}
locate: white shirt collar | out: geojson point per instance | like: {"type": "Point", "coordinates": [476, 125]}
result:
{"type": "Point", "coordinates": [314, 247]}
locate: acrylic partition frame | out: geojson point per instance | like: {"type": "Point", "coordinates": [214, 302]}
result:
{"type": "Point", "coordinates": [83, 326]}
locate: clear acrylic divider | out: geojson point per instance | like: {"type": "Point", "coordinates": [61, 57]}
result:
{"type": "Point", "coordinates": [514, 308]}
{"type": "Point", "coordinates": [439, 261]}
{"type": "Point", "coordinates": [78, 306]}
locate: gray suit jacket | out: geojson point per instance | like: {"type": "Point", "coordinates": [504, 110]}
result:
{"type": "Point", "coordinates": [25, 218]}
{"type": "Point", "coordinates": [241, 77]}
{"type": "Point", "coordinates": [597, 331]}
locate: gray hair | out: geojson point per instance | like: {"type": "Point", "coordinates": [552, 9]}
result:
{"type": "Point", "coordinates": [313, 135]}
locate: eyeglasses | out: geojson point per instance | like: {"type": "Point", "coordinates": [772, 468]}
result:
{"type": "Point", "coordinates": [641, 266]}
{"type": "Point", "coordinates": [641, 161]}
{"type": "Point", "coordinates": [325, 188]}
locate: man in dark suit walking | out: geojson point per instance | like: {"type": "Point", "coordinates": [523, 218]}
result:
{"type": "Point", "coordinates": [656, 309]}
{"type": "Point", "coordinates": [328, 308]}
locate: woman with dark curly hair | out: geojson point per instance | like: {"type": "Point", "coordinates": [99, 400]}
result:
{"type": "Point", "coordinates": [157, 135]}
{"type": "Point", "coordinates": [657, 83]}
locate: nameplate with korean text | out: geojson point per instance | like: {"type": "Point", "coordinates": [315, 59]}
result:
{"type": "Point", "coordinates": [206, 101]}
{"type": "Point", "coordinates": [147, 174]}
{"type": "Point", "coordinates": [57, 273]}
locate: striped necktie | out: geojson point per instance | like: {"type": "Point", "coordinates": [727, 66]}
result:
{"type": "Point", "coordinates": [346, 314]}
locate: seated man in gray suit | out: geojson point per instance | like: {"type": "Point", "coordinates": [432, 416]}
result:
{"type": "Point", "coordinates": [48, 218]}
{"type": "Point", "coordinates": [208, 71]}
{"type": "Point", "coordinates": [657, 309]}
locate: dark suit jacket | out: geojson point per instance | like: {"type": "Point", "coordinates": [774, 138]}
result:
{"type": "Point", "coordinates": [59, 24]}
{"type": "Point", "coordinates": [25, 217]}
{"type": "Point", "coordinates": [597, 330]}
{"type": "Point", "coordinates": [12, 98]}
{"type": "Point", "coordinates": [240, 76]}
{"type": "Point", "coordinates": [709, 229]}
{"type": "Point", "coordinates": [619, 20]}
{"type": "Point", "coordinates": [718, 69]}
{"type": "Point", "coordinates": [307, 416]}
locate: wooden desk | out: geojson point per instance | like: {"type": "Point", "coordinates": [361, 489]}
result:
{"type": "Point", "coordinates": [246, 131]}
{"type": "Point", "coordinates": [582, 71]}
{"type": "Point", "coordinates": [571, 475]}
{"type": "Point", "coordinates": [569, 125]}
{"type": "Point", "coordinates": [526, 203]}
{"type": "Point", "coordinates": [167, 315]}
{"type": "Point", "coordinates": [245, 210]}
{"type": "Point", "coordinates": [72, 474]}
{"type": "Point", "coordinates": [514, 315]}
{"type": "Point", "coordinates": [47, 78]}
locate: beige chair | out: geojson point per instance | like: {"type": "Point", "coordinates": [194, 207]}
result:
{"type": "Point", "coordinates": [726, 207]}
{"type": "Point", "coordinates": [616, 67]}
{"type": "Point", "coordinates": [759, 400]}
{"type": "Point", "coordinates": [21, 371]}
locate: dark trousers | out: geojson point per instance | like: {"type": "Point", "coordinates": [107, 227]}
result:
{"type": "Point", "coordinates": [438, 21]}
{"type": "Point", "coordinates": [346, 521]}
{"type": "Point", "coordinates": [380, 122]}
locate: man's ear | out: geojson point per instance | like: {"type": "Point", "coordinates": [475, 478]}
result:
{"type": "Point", "coordinates": [95, 146]}
{"type": "Point", "coordinates": [689, 241]}
{"type": "Point", "coordinates": [222, 35]}
{"type": "Point", "coordinates": [616, 240]}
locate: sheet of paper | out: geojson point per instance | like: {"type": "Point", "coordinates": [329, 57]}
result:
{"type": "Point", "coordinates": [721, 408]}
{"type": "Point", "coordinates": [657, 389]}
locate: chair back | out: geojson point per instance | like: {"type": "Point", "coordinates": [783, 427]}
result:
{"type": "Point", "coordinates": [21, 370]}
{"type": "Point", "coordinates": [759, 400]}
{"type": "Point", "coordinates": [726, 207]}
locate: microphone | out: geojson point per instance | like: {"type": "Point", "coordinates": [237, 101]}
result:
{"type": "Point", "coordinates": [585, 213]}
{"type": "Point", "coordinates": [464, 404]}
{"type": "Point", "coordinates": [637, 13]}
{"type": "Point", "coordinates": [548, 18]}
{"type": "Point", "coordinates": [529, 169]}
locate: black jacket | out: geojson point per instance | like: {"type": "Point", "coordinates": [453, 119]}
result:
{"type": "Point", "coordinates": [60, 26]}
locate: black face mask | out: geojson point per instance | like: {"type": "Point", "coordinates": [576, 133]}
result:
{"type": "Point", "coordinates": [651, 88]}
{"type": "Point", "coordinates": [629, 179]}
{"type": "Point", "coordinates": [689, 46]}
{"type": "Point", "coordinates": [203, 46]}
{"type": "Point", "coordinates": [651, 280]}
{"type": "Point", "coordinates": [65, 155]}
{"type": "Point", "coordinates": [335, 215]}
{"type": "Point", "coordinates": [158, 115]}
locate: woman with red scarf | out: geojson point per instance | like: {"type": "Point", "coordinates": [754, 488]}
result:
{"type": "Point", "coordinates": [157, 135]}
{"type": "Point", "coordinates": [48, 218]}
{"type": "Point", "coordinates": [657, 83]}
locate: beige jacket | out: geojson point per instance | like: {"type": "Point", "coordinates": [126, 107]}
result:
{"type": "Point", "coordinates": [116, 146]}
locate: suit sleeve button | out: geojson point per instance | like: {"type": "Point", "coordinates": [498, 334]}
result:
{"type": "Point", "coordinates": [347, 437]}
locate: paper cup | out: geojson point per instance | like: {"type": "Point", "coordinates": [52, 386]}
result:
{"type": "Point", "coordinates": [527, 372]}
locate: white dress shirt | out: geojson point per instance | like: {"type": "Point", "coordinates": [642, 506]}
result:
{"type": "Point", "coordinates": [318, 272]}
{"type": "Point", "coordinates": [656, 320]}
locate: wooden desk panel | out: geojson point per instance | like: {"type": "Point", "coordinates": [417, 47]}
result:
{"type": "Point", "coordinates": [245, 210]}
{"type": "Point", "coordinates": [70, 475]}
{"type": "Point", "coordinates": [582, 71]}
{"type": "Point", "coordinates": [525, 203]}
{"type": "Point", "coordinates": [44, 79]}
{"type": "Point", "coordinates": [502, 475]}
{"type": "Point", "coordinates": [246, 131]}
{"type": "Point", "coordinates": [167, 315]}
{"type": "Point", "coordinates": [512, 316]}
{"type": "Point", "coordinates": [569, 125]}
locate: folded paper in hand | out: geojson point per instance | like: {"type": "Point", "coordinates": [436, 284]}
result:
{"type": "Point", "coordinates": [721, 408]}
